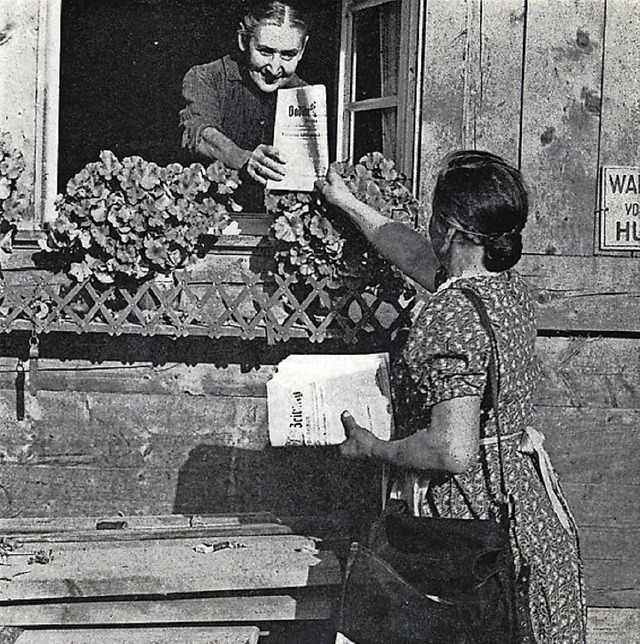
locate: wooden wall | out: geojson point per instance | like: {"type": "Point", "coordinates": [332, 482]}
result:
{"type": "Point", "coordinates": [151, 426]}
{"type": "Point", "coordinates": [553, 86]}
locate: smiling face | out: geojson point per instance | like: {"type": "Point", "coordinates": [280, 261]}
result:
{"type": "Point", "coordinates": [273, 53]}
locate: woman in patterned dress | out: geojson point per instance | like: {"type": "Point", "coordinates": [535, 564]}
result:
{"type": "Point", "coordinates": [446, 452]}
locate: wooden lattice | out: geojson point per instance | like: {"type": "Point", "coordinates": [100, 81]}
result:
{"type": "Point", "coordinates": [248, 308]}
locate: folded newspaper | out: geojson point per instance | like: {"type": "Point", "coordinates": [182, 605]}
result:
{"type": "Point", "coordinates": [300, 135]}
{"type": "Point", "coordinates": [307, 394]}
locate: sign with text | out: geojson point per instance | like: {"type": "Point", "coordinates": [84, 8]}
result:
{"type": "Point", "coordinates": [620, 208]}
{"type": "Point", "coordinates": [300, 135]}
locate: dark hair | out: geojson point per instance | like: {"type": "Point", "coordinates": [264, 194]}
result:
{"type": "Point", "coordinates": [289, 12]}
{"type": "Point", "coordinates": [485, 198]}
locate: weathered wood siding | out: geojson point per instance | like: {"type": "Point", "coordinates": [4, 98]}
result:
{"type": "Point", "coordinates": [553, 86]}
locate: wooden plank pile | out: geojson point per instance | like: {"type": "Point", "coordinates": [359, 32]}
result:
{"type": "Point", "coordinates": [232, 574]}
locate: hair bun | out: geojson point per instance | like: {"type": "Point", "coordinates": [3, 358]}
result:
{"type": "Point", "coordinates": [502, 251]}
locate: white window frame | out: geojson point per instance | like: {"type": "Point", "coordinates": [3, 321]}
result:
{"type": "Point", "coordinates": [408, 99]}
{"type": "Point", "coordinates": [47, 111]}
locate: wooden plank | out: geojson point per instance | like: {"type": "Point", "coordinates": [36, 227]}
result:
{"type": "Point", "coordinates": [499, 78]}
{"type": "Point", "coordinates": [619, 143]}
{"type": "Point", "coordinates": [300, 606]}
{"type": "Point", "coordinates": [214, 478]}
{"type": "Point", "coordinates": [584, 293]}
{"type": "Point", "coordinates": [91, 429]}
{"type": "Point", "coordinates": [170, 567]}
{"type": "Point", "coordinates": [149, 523]}
{"type": "Point", "coordinates": [563, 72]}
{"type": "Point", "coordinates": [170, 378]}
{"type": "Point", "coordinates": [443, 83]}
{"type": "Point", "coordinates": [589, 373]}
{"type": "Point", "coordinates": [613, 625]}
{"type": "Point", "coordinates": [82, 491]}
{"type": "Point", "coordinates": [593, 446]}
{"type": "Point", "coordinates": [597, 504]}
{"type": "Point", "coordinates": [611, 584]}
{"type": "Point", "coordinates": [144, 635]}
{"type": "Point", "coordinates": [108, 536]}
{"type": "Point", "coordinates": [611, 566]}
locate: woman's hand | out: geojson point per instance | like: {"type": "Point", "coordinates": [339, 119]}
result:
{"type": "Point", "coordinates": [264, 163]}
{"type": "Point", "coordinates": [360, 442]}
{"type": "Point", "coordinates": [335, 190]}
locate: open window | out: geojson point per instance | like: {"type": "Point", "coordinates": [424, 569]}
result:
{"type": "Point", "coordinates": [110, 74]}
{"type": "Point", "coordinates": [379, 80]}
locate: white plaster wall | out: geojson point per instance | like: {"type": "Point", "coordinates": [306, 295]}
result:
{"type": "Point", "coordinates": [18, 73]}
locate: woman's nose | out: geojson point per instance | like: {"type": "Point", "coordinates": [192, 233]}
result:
{"type": "Point", "coordinates": [275, 65]}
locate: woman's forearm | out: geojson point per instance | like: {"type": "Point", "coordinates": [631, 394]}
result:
{"type": "Point", "coordinates": [421, 451]}
{"type": "Point", "coordinates": [451, 444]}
{"type": "Point", "coordinates": [213, 144]}
{"type": "Point", "coordinates": [409, 250]}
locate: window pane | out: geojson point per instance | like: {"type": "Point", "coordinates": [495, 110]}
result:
{"type": "Point", "coordinates": [377, 48]}
{"type": "Point", "coordinates": [375, 131]}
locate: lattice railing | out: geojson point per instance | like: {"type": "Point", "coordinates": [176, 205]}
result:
{"type": "Point", "coordinates": [247, 307]}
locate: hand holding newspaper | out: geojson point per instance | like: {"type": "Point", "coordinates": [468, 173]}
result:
{"type": "Point", "coordinates": [300, 135]}
{"type": "Point", "coordinates": [308, 393]}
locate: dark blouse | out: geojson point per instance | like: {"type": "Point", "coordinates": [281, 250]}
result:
{"type": "Point", "coordinates": [222, 95]}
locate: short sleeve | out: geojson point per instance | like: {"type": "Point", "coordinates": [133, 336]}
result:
{"type": "Point", "coordinates": [448, 354]}
{"type": "Point", "coordinates": [203, 90]}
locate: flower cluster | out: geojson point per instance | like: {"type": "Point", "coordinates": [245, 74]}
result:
{"type": "Point", "coordinates": [16, 199]}
{"type": "Point", "coordinates": [132, 219]}
{"type": "Point", "coordinates": [314, 241]}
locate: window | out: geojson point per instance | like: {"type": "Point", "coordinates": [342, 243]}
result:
{"type": "Point", "coordinates": [379, 80]}
{"type": "Point", "coordinates": [109, 76]}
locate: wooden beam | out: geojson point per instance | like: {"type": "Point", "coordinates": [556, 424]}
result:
{"type": "Point", "coordinates": [144, 635]}
{"type": "Point", "coordinates": [317, 605]}
{"type": "Point", "coordinates": [170, 566]}
{"type": "Point", "coordinates": [584, 293]}
{"type": "Point", "coordinates": [613, 625]}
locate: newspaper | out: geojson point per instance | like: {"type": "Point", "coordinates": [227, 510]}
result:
{"type": "Point", "coordinates": [300, 135]}
{"type": "Point", "coordinates": [307, 394]}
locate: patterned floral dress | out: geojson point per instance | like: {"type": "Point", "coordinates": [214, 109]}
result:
{"type": "Point", "coordinates": [446, 356]}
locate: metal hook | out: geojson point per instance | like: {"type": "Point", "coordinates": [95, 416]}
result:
{"type": "Point", "coordinates": [34, 354]}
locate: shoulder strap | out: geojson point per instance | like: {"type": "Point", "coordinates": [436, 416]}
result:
{"type": "Point", "coordinates": [493, 372]}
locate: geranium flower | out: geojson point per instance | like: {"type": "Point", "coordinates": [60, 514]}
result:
{"type": "Point", "coordinates": [5, 187]}
{"type": "Point", "coordinates": [155, 251]}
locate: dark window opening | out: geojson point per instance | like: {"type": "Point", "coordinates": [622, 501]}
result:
{"type": "Point", "coordinates": [122, 64]}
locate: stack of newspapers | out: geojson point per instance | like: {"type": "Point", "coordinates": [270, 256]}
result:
{"type": "Point", "coordinates": [308, 393]}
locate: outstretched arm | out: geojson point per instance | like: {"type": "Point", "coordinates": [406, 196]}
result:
{"type": "Point", "coordinates": [265, 162]}
{"type": "Point", "coordinates": [403, 246]}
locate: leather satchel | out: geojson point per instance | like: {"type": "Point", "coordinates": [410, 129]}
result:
{"type": "Point", "coordinates": [438, 580]}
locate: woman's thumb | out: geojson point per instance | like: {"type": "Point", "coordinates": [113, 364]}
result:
{"type": "Point", "coordinates": [348, 422]}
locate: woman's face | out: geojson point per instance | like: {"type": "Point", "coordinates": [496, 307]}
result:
{"type": "Point", "coordinates": [273, 53]}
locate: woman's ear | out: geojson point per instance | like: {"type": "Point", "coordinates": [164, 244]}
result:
{"type": "Point", "coordinates": [242, 43]}
{"type": "Point", "coordinates": [448, 240]}
{"type": "Point", "coordinates": [304, 45]}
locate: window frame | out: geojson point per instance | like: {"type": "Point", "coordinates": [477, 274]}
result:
{"type": "Point", "coordinates": [47, 111]}
{"type": "Point", "coordinates": [407, 101]}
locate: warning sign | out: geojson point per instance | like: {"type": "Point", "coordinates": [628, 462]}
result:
{"type": "Point", "coordinates": [620, 209]}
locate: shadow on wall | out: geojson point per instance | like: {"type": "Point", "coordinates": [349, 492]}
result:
{"type": "Point", "coordinates": [320, 489]}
